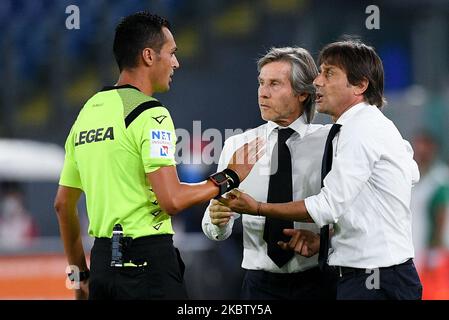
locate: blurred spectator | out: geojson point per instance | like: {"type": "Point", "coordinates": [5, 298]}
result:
{"type": "Point", "coordinates": [430, 208]}
{"type": "Point", "coordinates": [17, 226]}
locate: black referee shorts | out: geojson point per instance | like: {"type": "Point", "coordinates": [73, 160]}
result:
{"type": "Point", "coordinates": [159, 274]}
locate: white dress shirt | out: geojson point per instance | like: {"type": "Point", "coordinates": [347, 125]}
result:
{"type": "Point", "coordinates": [367, 193]}
{"type": "Point", "coordinates": [306, 147]}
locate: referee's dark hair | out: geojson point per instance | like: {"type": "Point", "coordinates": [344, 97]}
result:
{"type": "Point", "coordinates": [136, 32]}
{"type": "Point", "coordinates": [359, 61]}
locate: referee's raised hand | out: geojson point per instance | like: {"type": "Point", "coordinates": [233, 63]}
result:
{"type": "Point", "coordinates": [245, 157]}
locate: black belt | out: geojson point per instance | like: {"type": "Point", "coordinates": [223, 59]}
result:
{"type": "Point", "coordinates": [343, 271]}
{"type": "Point", "coordinates": [284, 277]}
{"type": "Point", "coordinates": [127, 251]}
{"type": "Point", "coordinates": [147, 240]}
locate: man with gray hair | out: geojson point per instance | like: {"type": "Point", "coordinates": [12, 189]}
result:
{"type": "Point", "coordinates": [289, 170]}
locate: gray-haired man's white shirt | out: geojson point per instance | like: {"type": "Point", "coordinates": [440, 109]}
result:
{"type": "Point", "coordinates": [306, 147]}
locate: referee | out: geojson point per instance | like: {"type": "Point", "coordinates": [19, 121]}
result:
{"type": "Point", "coordinates": [120, 153]}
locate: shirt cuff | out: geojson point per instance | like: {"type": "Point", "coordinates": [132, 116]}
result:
{"type": "Point", "coordinates": [321, 216]}
{"type": "Point", "coordinates": [217, 233]}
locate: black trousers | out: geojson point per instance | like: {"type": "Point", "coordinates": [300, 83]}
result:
{"type": "Point", "coordinates": [158, 276]}
{"type": "Point", "coordinates": [311, 284]}
{"type": "Point", "coordinates": [398, 282]}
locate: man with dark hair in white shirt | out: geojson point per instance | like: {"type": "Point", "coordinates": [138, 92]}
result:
{"type": "Point", "coordinates": [368, 173]}
{"type": "Point", "coordinates": [290, 170]}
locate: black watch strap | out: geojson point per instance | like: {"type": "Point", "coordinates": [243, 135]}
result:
{"type": "Point", "coordinates": [235, 179]}
{"type": "Point", "coordinates": [223, 189]}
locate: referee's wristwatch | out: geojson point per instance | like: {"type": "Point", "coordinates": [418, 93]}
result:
{"type": "Point", "coordinates": [82, 275]}
{"type": "Point", "coordinates": [221, 181]}
{"type": "Point", "coordinates": [225, 180]}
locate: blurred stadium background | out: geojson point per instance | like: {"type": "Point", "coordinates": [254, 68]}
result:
{"type": "Point", "coordinates": [49, 71]}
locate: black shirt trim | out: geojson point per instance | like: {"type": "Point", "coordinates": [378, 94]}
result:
{"type": "Point", "coordinates": [139, 109]}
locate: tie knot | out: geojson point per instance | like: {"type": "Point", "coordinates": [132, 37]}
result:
{"type": "Point", "coordinates": [334, 130]}
{"type": "Point", "coordinates": [284, 134]}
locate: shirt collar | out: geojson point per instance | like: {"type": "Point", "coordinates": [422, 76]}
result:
{"type": "Point", "coordinates": [124, 86]}
{"type": "Point", "coordinates": [351, 112]}
{"type": "Point", "coordinates": [299, 125]}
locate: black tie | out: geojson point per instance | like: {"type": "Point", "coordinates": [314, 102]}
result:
{"type": "Point", "coordinates": [326, 166]}
{"type": "Point", "coordinates": [279, 190]}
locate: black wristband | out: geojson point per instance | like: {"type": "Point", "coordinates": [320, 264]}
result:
{"type": "Point", "coordinates": [82, 275]}
{"type": "Point", "coordinates": [234, 182]}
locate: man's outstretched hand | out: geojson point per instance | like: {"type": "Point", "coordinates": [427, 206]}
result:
{"type": "Point", "coordinates": [240, 202]}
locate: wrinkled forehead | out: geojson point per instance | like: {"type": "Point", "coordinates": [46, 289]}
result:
{"type": "Point", "coordinates": [275, 69]}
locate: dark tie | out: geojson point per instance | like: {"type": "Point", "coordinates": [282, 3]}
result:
{"type": "Point", "coordinates": [326, 166]}
{"type": "Point", "coordinates": [279, 190]}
